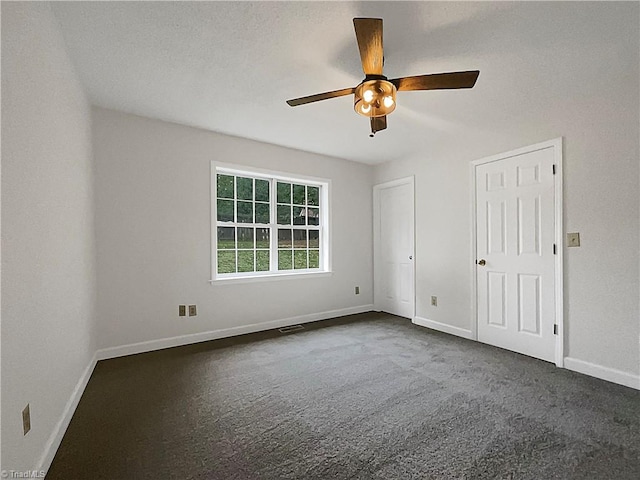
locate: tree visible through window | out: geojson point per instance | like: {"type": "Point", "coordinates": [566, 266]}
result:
{"type": "Point", "coordinates": [267, 225]}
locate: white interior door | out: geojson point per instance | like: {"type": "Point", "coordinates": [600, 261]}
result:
{"type": "Point", "coordinates": [515, 269]}
{"type": "Point", "coordinates": [394, 247]}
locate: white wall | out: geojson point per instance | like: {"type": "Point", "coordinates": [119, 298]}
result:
{"type": "Point", "coordinates": [588, 93]}
{"type": "Point", "coordinates": [153, 231]}
{"type": "Point", "coordinates": [48, 274]}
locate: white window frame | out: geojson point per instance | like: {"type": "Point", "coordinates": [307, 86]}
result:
{"type": "Point", "coordinates": [273, 177]}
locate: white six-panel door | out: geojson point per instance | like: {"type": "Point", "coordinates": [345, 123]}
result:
{"type": "Point", "coordinates": [393, 243]}
{"type": "Point", "coordinates": [515, 269]}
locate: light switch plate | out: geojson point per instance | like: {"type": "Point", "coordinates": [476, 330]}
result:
{"type": "Point", "coordinates": [434, 301]}
{"type": "Point", "coordinates": [573, 239]}
{"type": "Point", "coordinates": [192, 311]}
{"type": "Point", "coordinates": [182, 310]}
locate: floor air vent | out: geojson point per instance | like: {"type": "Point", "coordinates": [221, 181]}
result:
{"type": "Point", "coordinates": [292, 328]}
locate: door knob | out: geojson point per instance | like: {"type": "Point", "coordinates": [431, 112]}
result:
{"type": "Point", "coordinates": [410, 257]}
{"type": "Point", "coordinates": [481, 262]}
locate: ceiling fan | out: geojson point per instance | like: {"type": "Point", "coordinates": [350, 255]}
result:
{"type": "Point", "coordinates": [375, 96]}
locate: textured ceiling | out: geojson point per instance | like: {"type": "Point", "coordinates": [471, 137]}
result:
{"type": "Point", "coordinates": [230, 66]}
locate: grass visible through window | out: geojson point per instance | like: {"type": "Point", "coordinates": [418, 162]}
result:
{"type": "Point", "coordinates": [250, 210]}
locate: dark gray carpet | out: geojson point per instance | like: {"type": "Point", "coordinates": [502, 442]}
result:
{"type": "Point", "coordinates": [369, 396]}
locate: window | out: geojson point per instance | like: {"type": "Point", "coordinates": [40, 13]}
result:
{"type": "Point", "coordinates": [268, 224]}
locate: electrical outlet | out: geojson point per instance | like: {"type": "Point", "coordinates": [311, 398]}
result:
{"type": "Point", "coordinates": [26, 420]}
{"type": "Point", "coordinates": [192, 311]}
{"type": "Point", "coordinates": [573, 239]}
{"type": "Point", "coordinates": [357, 290]}
{"type": "Point", "coordinates": [434, 301]}
{"type": "Point", "coordinates": [182, 310]}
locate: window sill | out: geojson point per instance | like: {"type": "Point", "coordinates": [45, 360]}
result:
{"type": "Point", "coordinates": [269, 278]}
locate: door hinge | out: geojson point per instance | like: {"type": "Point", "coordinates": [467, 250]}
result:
{"type": "Point", "coordinates": [554, 249]}
{"type": "Point", "coordinates": [554, 168]}
{"type": "Point", "coordinates": [555, 329]}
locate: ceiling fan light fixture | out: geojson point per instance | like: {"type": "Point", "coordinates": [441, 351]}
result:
{"type": "Point", "coordinates": [375, 98]}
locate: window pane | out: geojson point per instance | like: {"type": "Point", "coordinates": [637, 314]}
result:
{"type": "Point", "coordinates": [245, 237]}
{"type": "Point", "coordinates": [314, 258]}
{"type": "Point", "coordinates": [262, 213]}
{"type": "Point", "coordinates": [299, 239]}
{"type": "Point", "coordinates": [313, 196]}
{"type": "Point", "coordinates": [245, 212]}
{"type": "Point", "coordinates": [300, 258]}
{"type": "Point", "coordinates": [284, 192]}
{"type": "Point", "coordinates": [245, 261]}
{"type": "Point", "coordinates": [226, 238]}
{"type": "Point", "coordinates": [284, 238]}
{"type": "Point", "coordinates": [298, 195]}
{"type": "Point", "coordinates": [262, 260]}
{"type": "Point", "coordinates": [262, 238]}
{"type": "Point", "coordinates": [225, 186]}
{"type": "Point", "coordinates": [244, 188]}
{"type": "Point", "coordinates": [314, 239]}
{"type": "Point", "coordinates": [313, 216]}
{"type": "Point", "coordinates": [284, 260]}
{"type": "Point", "coordinates": [299, 215]}
{"type": "Point", "coordinates": [227, 262]}
{"type": "Point", "coordinates": [225, 210]}
{"type": "Point", "coordinates": [284, 214]}
{"type": "Point", "coordinates": [262, 190]}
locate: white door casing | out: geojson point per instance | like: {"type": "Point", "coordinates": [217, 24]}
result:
{"type": "Point", "coordinates": [393, 244]}
{"type": "Point", "coordinates": [517, 203]}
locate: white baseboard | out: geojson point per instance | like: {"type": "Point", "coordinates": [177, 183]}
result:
{"type": "Point", "coordinates": [604, 373]}
{"type": "Point", "coordinates": [159, 344]}
{"type": "Point", "coordinates": [443, 327]}
{"type": "Point", "coordinates": [61, 427]}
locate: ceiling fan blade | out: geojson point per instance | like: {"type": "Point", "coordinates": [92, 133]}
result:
{"type": "Point", "coordinates": [378, 123]}
{"type": "Point", "coordinates": [320, 96]}
{"type": "Point", "coordinates": [369, 36]}
{"type": "Point", "coordinates": [437, 81]}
